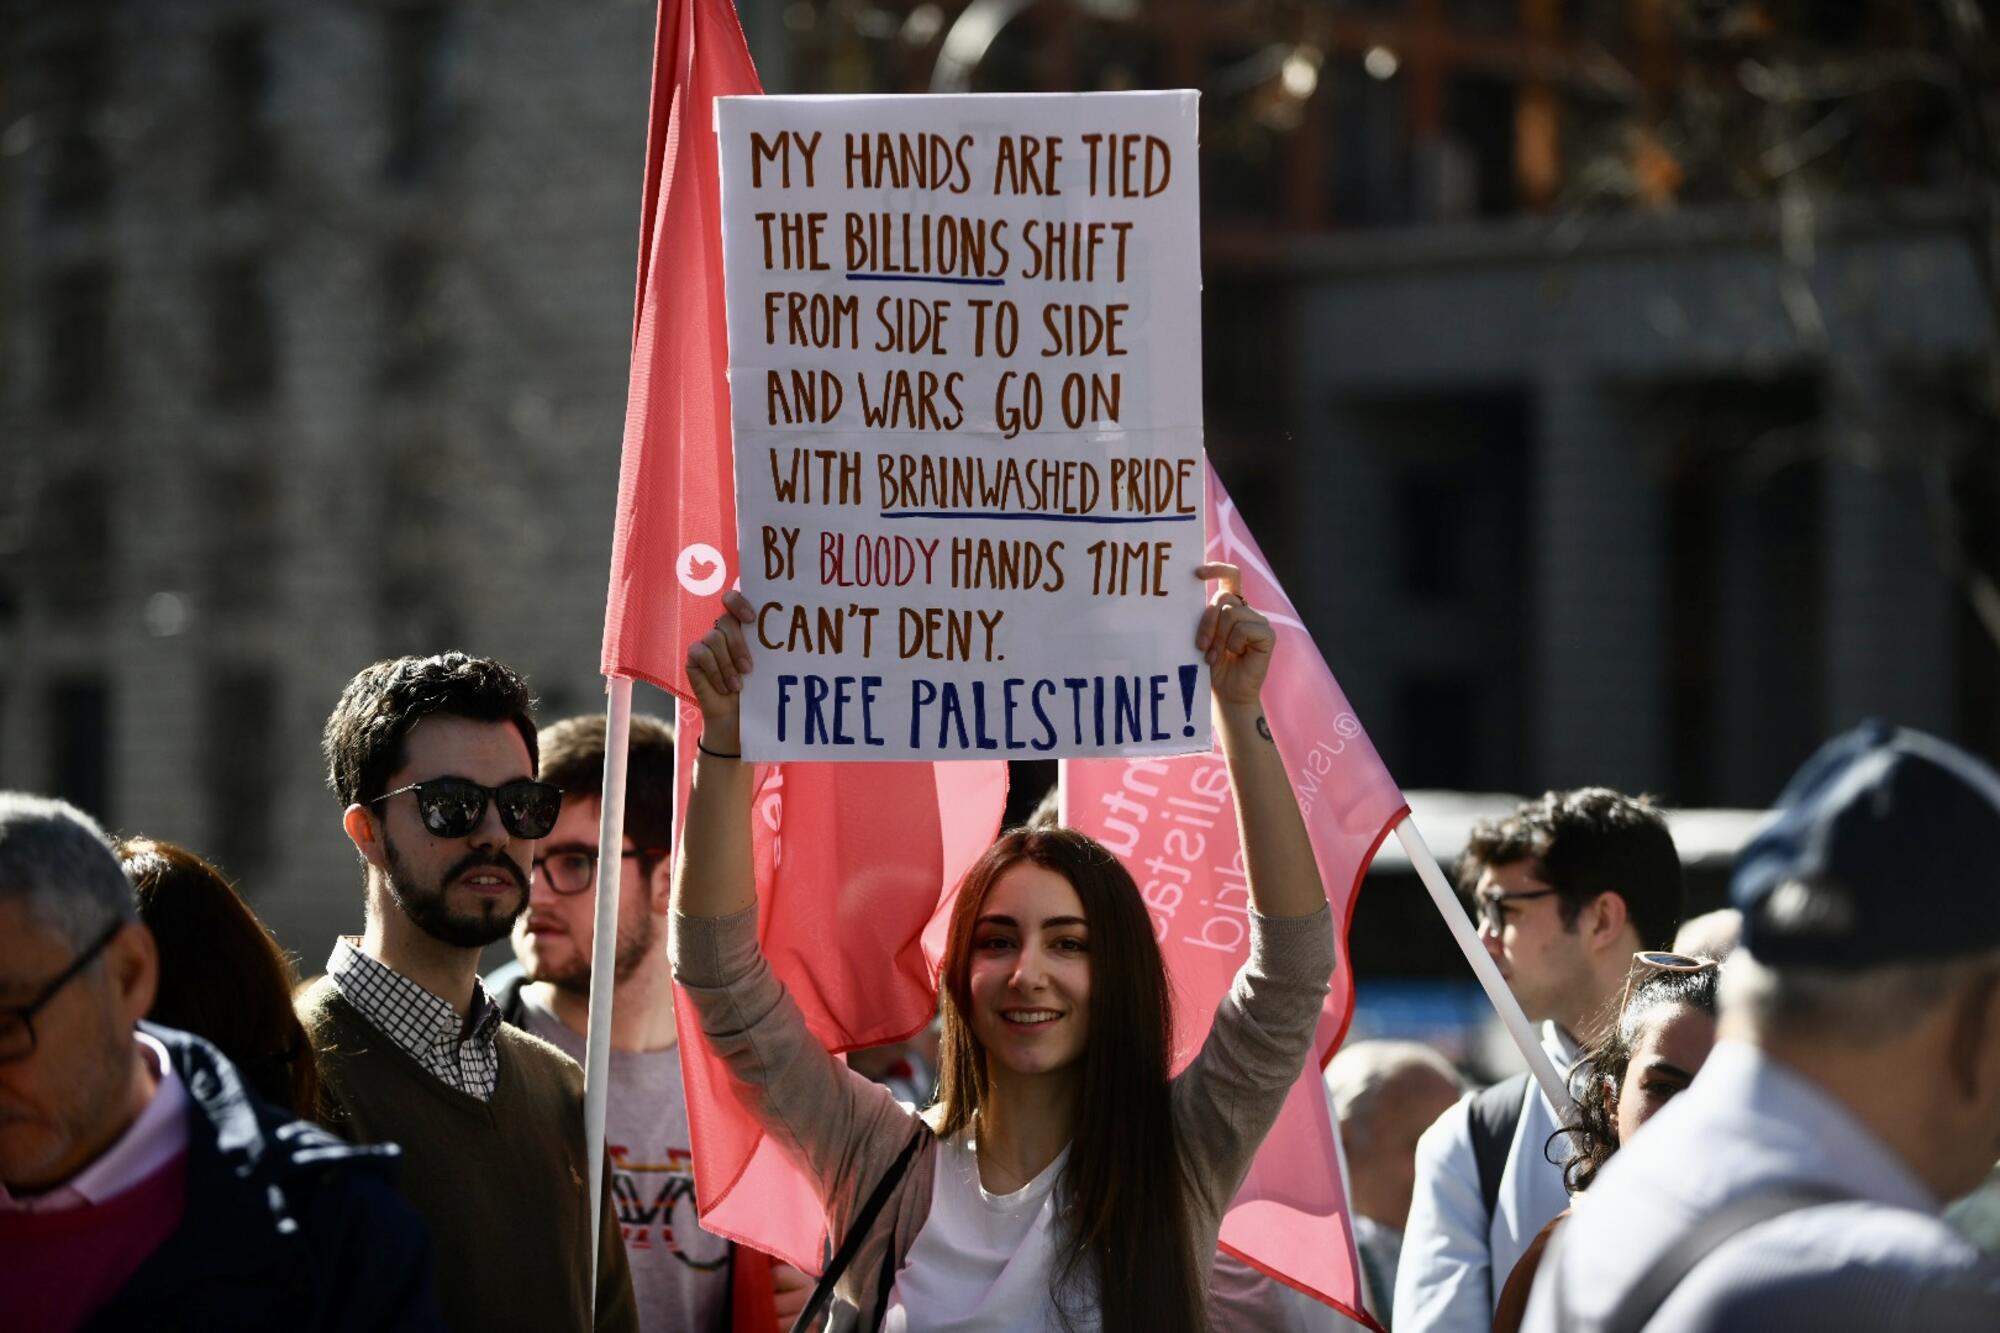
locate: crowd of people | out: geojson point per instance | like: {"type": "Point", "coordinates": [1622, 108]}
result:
{"type": "Point", "coordinates": [1769, 1107]}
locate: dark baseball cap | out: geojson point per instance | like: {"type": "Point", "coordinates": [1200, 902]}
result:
{"type": "Point", "coordinates": [1884, 848]}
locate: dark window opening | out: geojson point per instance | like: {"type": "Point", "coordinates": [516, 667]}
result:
{"type": "Point", "coordinates": [243, 554]}
{"type": "Point", "coordinates": [1479, 115]}
{"type": "Point", "coordinates": [1433, 521]}
{"type": "Point", "coordinates": [241, 768]}
{"type": "Point", "coordinates": [242, 332]}
{"type": "Point", "coordinates": [243, 141]}
{"type": "Point", "coordinates": [1453, 628]}
{"type": "Point", "coordinates": [415, 336]}
{"type": "Point", "coordinates": [1437, 717]}
{"type": "Point", "coordinates": [417, 57]}
{"type": "Point", "coordinates": [77, 340]}
{"type": "Point", "coordinates": [1745, 673]}
{"type": "Point", "coordinates": [74, 536]}
{"type": "Point", "coordinates": [1976, 496]}
{"type": "Point", "coordinates": [79, 166]}
{"type": "Point", "coordinates": [80, 744]}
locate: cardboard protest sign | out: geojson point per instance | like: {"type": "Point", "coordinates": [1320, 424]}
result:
{"type": "Point", "coordinates": [965, 376]}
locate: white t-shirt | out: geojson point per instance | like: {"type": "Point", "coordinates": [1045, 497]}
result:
{"type": "Point", "coordinates": [983, 1261]}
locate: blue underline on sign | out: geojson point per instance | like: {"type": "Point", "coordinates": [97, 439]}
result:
{"type": "Point", "coordinates": [1044, 518]}
{"type": "Point", "coordinates": [924, 277]}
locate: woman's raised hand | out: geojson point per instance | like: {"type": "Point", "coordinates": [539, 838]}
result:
{"type": "Point", "coordinates": [716, 665]}
{"type": "Point", "coordinates": [1237, 640]}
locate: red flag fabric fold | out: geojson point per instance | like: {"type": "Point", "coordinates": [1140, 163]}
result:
{"type": "Point", "coordinates": [1171, 822]}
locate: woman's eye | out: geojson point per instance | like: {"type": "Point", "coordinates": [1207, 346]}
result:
{"type": "Point", "coordinates": [1070, 944]}
{"type": "Point", "coordinates": [992, 942]}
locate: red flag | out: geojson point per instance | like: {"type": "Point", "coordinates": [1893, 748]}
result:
{"type": "Point", "coordinates": [852, 861]}
{"type": "Point", "coordinates": [848, 875]}
{"type": "Point", "coordinates": [1171, 822]}
{"type": "Point", "coordinates": [673, 548]}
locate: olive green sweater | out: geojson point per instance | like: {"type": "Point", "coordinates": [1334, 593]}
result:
{"type": "Point", "coordinates": [503, 1183]}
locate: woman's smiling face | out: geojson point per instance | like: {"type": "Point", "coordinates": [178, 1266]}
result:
{"type": "Point", "coordinates": [1029, 976]}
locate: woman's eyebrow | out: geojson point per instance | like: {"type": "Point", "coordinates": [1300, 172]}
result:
{"type": "Point", "coordinates": [1054, 921]}
{"type": "Point", "coordinates": [995, 921]}
{"type": "Point", "coordinates": [1667, 1067]}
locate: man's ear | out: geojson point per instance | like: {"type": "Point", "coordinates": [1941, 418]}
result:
{"type": "Point", "coordinates": [660, 886]}
{"type": "Point", "coordinates": [132, 961]}
{"type": "Point", "coordinates": [1975, 1039]}
{"type": "Point", "coordinates": [1606, 918]}
{"type": "Point", "coordinates": [365, 834]}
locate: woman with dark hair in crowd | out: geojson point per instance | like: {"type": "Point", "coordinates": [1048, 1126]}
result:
{"type": "Point", "coordinates": [1063, 1179]}
{"type": "Point", "coordinates": [1665, 1029]}
{"type": "Point", "coordinates": [222, 976]}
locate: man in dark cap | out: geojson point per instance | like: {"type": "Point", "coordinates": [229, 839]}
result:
{"type": "Point", "coordinates": [1854, 1088]}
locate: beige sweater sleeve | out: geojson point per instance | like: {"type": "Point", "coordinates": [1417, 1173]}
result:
{"type": "Point", "coordinates": [1229, 1096]}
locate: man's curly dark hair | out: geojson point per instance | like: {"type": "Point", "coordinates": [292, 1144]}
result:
{"type": "Point", "coordinates": [364, 737]}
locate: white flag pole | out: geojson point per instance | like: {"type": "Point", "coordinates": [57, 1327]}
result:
{"type": "Point", "coordinates": [1504, 1003]}
{"type": "Point", "coordinates": [603, 974]}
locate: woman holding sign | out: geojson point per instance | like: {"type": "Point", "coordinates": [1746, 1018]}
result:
{"type": "Point", "coordinates": [1063, 1179]}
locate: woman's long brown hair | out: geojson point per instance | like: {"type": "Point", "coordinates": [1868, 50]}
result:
{"type": "Point", "coordinates": [1122, 1198]}
{"type": "Point", "coordinates": [222, 975]}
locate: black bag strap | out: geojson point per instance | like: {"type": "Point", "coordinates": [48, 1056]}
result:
{"type": "Point", "coordinates": [1644, 1298]}
{"type": "Point", "coordinates": [1495, 1112]}
{"type": "Point", "coordinates": [856, 1230]}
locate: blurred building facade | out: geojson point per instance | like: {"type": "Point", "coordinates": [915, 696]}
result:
{"type": "Point", "coordinates": [1603, 376]}
{"type": "Point", "coordinates": [315, 353]}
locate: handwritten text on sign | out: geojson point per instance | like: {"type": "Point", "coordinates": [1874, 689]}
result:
{"type": "Point", "coordinates": [965, 375]}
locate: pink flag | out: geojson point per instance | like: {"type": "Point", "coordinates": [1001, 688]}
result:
{"type": "Point", "coordinates": [674, 543]}
{"type": "Point", "coordinates": [1171, 822]}
{"type": "Point", "coordinates": [848, 874]}
{"type": "Point", "coordinates": [852, 862]}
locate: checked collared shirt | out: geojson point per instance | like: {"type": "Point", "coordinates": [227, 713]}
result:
{"type": "Point", "coordinates": [463, 1054]}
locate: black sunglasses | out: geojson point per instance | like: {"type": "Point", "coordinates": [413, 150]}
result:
{"type": "Point", "coordinates": [453, 807]}
{"type": "Point", "coordinates": [1649, 961]}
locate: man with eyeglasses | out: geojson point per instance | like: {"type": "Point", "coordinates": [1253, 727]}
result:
{"type": "Point", "coordinates": [140, 1185]}
{"type": "Point", "coordinates": [682, 1275]}
{"type": "Point", "coordinates": [433, 762]}
{"type": "Point", "coordinates": [1568, 887]}
{"type": "Point", "coordinates": [1854, 1086]}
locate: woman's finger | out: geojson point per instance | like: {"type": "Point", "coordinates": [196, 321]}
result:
{"type": "Point", "coordinates": [1226, 616]}
{"type": "Point", "coordinates": [736, 644]}
{"type": "Point", "coordinates": [1204, 630]}
{"type": "Point", "coordinates": [739, 606]}
{"type": "Point", "coordinates": [703, 669]}
{"type": "Point", "coordinates": [717, 647]}
{"type": "Point", "coordinates": [1217, 571]}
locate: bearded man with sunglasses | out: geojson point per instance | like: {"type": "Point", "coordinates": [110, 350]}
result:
{"type": "Point", "coordinates": [433, 761]}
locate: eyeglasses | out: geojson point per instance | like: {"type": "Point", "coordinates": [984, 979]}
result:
{"type": "Point", "coordinates": [17, 1023]}
{"type": "Point", "coordinates": [1648, 961]}
{"type": "Point", "coordinates": [1492, 906]}
{"type": "Point", "coordinates": [453, 807]}
{"type": "Point", "coordinates": [574, 870]}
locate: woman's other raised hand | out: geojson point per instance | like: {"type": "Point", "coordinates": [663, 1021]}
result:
{"type": "Point", "coordinates": [1237, 640]}
{"type": "Point", "coordinates": [716, 665]}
